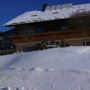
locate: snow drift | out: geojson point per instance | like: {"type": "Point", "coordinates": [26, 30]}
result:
{"type": "Point", "coordinates": [53, 69]}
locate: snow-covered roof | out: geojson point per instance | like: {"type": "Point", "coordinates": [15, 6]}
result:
{"type": "Point", "coordinates": [48, 14]}
{"type": "Point", "coordinates": [61, 6]}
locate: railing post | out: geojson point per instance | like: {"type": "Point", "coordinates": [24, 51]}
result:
{"type": "Point", "coordinates": [85, 41]}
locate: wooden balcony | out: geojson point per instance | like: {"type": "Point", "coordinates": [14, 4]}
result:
{"type": "Point", "coordinates": [54, 35]}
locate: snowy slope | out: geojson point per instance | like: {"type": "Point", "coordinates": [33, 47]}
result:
{"type": "Point", "coordinates": [54, 69]}
{"type": "Point", "coordinates": [39, 16]}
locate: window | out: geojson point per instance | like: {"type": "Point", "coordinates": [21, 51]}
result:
{"type": "Point", "coordinates": [39, 30]}
{"type": "Point", "coordinates": [64, 27]}
{"type": "Point", "coordinates": [87, 43]}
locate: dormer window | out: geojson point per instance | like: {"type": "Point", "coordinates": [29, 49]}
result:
{"type": "Point", "coordinates": [33, 15]}
{"type": "Point", "coordinates": [55, 13]}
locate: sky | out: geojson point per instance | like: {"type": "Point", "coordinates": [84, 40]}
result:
{"type": "Point", "coordinates": [9, 9]}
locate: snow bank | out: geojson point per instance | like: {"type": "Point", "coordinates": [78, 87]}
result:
{"type": "Point", "coordinates": [53, 69]}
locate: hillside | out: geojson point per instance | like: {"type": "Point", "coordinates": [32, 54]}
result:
{"type": "Point", "coordinates": [52, 69]}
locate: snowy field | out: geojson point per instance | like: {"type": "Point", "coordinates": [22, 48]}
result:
{"type": "Point", "coordinates": [53, 69]}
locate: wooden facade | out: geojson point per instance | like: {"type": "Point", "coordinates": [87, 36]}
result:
{"type": "Point", "coordinates": [73, 33]}
{"type": "Point", "coordinates": [27, 35]}
{"type": "Point", "coordinates": [53, 35]}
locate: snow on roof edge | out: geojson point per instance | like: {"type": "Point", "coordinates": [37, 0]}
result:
{"type": "Point", "coordinates": [39, 16]}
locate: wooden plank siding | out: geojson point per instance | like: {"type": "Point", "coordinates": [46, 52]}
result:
{"type": "Point", "coordinates": [54, 35]}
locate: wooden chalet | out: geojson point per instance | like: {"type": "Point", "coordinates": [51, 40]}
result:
{"type": "Point", "coordinates": [67, 24]}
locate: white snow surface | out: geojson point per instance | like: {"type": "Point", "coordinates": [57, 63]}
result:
{"type": "Point", "coordinates": [52, 69]}
{"type": "Point", "coordinates": [39, 16]}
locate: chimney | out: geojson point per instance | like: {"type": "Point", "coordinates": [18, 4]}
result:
{"type": "Point", "coordinates": [44, 7]}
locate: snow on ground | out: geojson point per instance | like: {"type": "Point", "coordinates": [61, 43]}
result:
{"type": "Point", "coordinates": [52, 69]}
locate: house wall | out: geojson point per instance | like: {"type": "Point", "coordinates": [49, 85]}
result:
{"type": "Point", "coordinates": [73, 37]}
{"type": "Point", "coordinates": [29, 34]}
